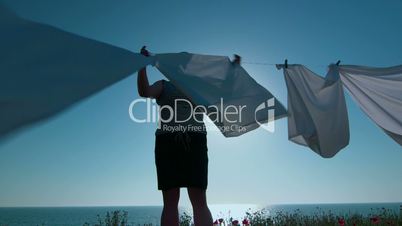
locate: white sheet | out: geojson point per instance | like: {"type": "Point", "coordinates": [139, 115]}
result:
{"type": "Point", "coordinates": [44, 70]}
{"type": "Point", "coordinates": [378, 91]}
{"type": "Point", "coordinates": [206, 79]}
{"type": "Point", "coordinates": [317, 110]}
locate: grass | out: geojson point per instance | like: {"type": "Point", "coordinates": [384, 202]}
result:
{"type": "Point", "coordinates": [378, 217]}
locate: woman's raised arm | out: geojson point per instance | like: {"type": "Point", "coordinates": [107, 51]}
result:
{"type": "Point", "coordinates": [144, 89]}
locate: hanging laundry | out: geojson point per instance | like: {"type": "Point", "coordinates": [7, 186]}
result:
{"type": "Point", "coordinates": [317, 110]}
{"type": "Point", "coordinates": [378, 92]}
{"type": "Point", "coordinates": [44, 70]}
{"type": "Point", "coordinates": [217, 83]}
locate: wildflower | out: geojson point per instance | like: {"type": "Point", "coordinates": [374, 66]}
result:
{"type": "Point", "coordinates": [245, 222]}
{"type": "Point", "coordinates": [375, 220]}
{"type": "Point", "coordinates": [235, 222]}
{"type": "Point", "coordinates": [220, 220]}
{"type": "Point", "coordinates": [341, 221]}
{"type": "Point", "coordinates": [216, 222]}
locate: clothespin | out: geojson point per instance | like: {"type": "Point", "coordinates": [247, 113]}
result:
{"type": "Point", "coordinates": [145, 52]}
{"type": "Point", "coordinates": [237, 59]}
{"type": "Point", "coordinates": [337, 63]}
{"type": "Point", "coordinates": [286, 63]}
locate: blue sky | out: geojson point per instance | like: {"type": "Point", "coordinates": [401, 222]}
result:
{"type": "Point", "coordinates": [93, 154]}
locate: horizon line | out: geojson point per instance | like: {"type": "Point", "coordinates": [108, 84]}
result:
{"type": "Point", "coordinates": [214, 204]}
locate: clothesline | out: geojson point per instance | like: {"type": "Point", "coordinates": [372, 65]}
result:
{"type": "Point", "coordinates": [273, 64]}
{"type": "Point", "coordinates": [259, 63]}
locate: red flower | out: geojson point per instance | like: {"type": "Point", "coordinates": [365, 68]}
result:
{"type": "Point", "coordinates": [216, 222]}
{"type": "Point", "coordinates": [245, 222]}
{"type": "Point", "coordinates": [220, 220]}
{"type": "Point", "coordinates": [235, 222]}
{"type": "Point", "coordinates": [375, 220]}
{"type": "Point", "coordinates": [341, 221]}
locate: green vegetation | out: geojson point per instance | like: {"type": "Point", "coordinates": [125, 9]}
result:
{"type": "Point", "coordinates": [378, 217]}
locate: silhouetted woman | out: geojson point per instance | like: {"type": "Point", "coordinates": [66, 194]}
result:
{"type": "Point", "coordinates": [180, 151]}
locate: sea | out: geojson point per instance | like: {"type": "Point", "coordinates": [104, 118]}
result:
{"type": "Point", "coordinates": [141, 215]}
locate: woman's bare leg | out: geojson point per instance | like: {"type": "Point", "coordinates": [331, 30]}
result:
{"type": "Point", "coordinates": [170, 212]}
{"type": "Point", "coordinates": [202, 215]}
